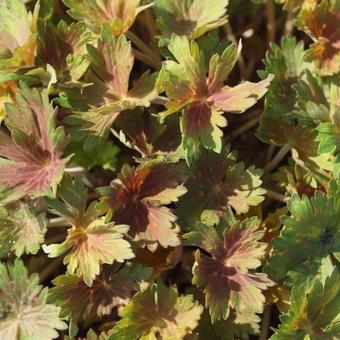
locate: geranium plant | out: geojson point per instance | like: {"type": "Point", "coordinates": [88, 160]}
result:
{"type": "Point", "coordinates": [169, 169]}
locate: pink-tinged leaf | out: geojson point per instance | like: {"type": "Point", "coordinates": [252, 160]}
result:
{"type": "Point", "coordinates": [117, 15]}
{"type": "Point", "coordinates": [217, 182]}
{"type": "Point", "coordinates": [321, 22]}
{"type": "Point", "coordinates": [86, 249]}
{"type": "Point", "coordinates": [224, 274]}
{"type": "Point", "coordinates": [202, 98]}
{"type": "Point", "coordinates": [192, 18]}
{"type": "Point", "coordinates": [110, 289]}
{"type": "Point", "coordinates": [138, 196]}
{"type": "Point", "coordinates": [31, 159]}
{"type": "Point", "coordinates": [241, 97]}
{"type": "Point", "coordinates": [158, 311]}
{"type": "Point", "coordinates": [91, 241]}
{"type": "Point", "coordinates": [111, 64]}
{"type": "Point", "coordinates": [24, 311]}
{"type": "Point", "coordinates": [188, 71]}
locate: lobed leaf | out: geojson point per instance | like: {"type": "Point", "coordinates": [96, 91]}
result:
{"type": "Point", "coordinates": [212, 190]}
{"type": "Point", "coordinates": [24, 311]}
{"type": "Point", "coordinates": [203, 98]}
{"type": "Point", "coordinates": [224, 274]}
{"type": "Point", "coordinates": [138, 198]}
{"type": "Point", "coordinates": [110, 289]}
{"type": "Point", "coordinates": [309, 235]}
{"type": "Point", "coordinates": [158, 310]}
{"type": "Point", "coordinates": [111, 64]}
{"type": "Point", "coordinates": [22, 230]}
{"type": "Point", "coordinates": [117, 15]}
{"type": "Point", "coordinates": [31, 160]}
{"type": "Point", "coordinates": [91, 241]}
{"type": "Point", "coordinates": [190, 17]}
{"type": "Point", "coordinates": [314, 312]}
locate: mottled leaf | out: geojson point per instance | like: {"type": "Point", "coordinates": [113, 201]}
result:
{"type": "Point", "coordinates": [22, 230]}
{"type": "Point", "coordinates": [224, 274]}
{"type": "Point", "coordinates": [217, 182]}
{"type": "Point", "coordinates": [111, 63]}
{"type": "Point", "coordinates": [321, 22]}
{"type": "Point", "coordinates": [24, 312]}
{"type": "Point", "coordinates": [70, 41]}
{"type": "Point", "coordinates": [111, 288]}
{"type": "Point", "coordinates": [31, 158]}
{"type": "Point", "coordinates": [202, 97]}
{"type": "Point", "coordinates": [158, 311]}
{"type": "Point", "coordinates": [138, 198]}
{"type": "Point", "coordinates": [90, 241]}
{"type": "Point", "coordinates": [143, 132]}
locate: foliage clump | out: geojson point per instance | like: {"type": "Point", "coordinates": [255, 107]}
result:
{"type": "Point", "coordinates": [169, 169]}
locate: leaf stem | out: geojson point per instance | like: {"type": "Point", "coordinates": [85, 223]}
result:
{"type": "Point", "coordinates": [270, 153]}
{"type": "Point", "coordinates": [243, 128]}
{"type": "Point", "coordinates": [277, 159]}
{"type": "Point", "coordinates": [145, 49]}
{"type": "Point", "coordinates": [289, 25]}
{"type": "Point", "coordinates": [265, 323]}
{"type": "Point", "coordinates": [271, 27]}
{"type": "Point", "coordinates": [160, 100]}
{"type": "Point", "coordinates": [145, 59]}
{"type": "Point", "coordinates": [50, 268]}
{"type": "Point", "coordinates": [75, 170]}
{"type": "Point", "coordinates": [276, 196]}
{"type": "Point", "coordinates": [58, 222]}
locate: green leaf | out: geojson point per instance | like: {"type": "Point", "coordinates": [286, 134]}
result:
{"type": "Point", "coordinates": [212, 190]}
{"type": "Point", "coordinates": [158, 311]}
{"type": "Point", "coordinates": [103, 154]}
{"type": "Point", "coordinates": [309, 235]}
{"type": "Point", "coordinates": [314, 310]}
{"type": "Point", "coordinates": [287, 63]}
{"type": "Point", "coordinates": [236, 327]}
{"type": "Point", "coordinates": [25, 315]}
